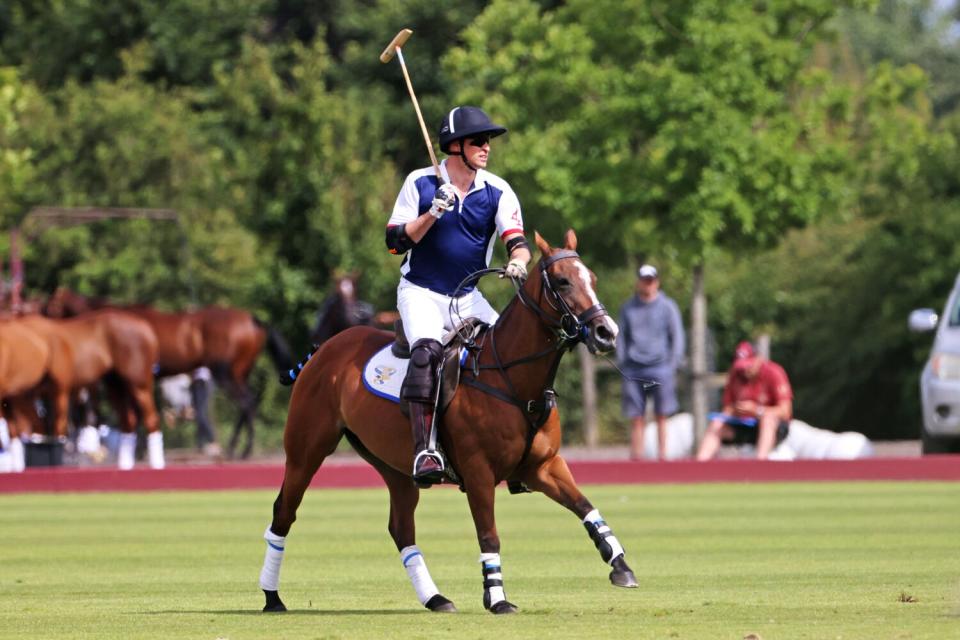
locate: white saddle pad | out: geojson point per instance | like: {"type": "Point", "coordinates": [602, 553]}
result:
{"type": "Point", "coordinates": [384, 373]}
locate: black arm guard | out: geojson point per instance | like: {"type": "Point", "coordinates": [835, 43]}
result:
{"type": "Point", "coordinates": [513, 243]}
{"type": "Point", "coordinates": [397, 239]}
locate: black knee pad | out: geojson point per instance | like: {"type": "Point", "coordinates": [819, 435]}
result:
{"type": "Point", "coordinates": [420, 383]}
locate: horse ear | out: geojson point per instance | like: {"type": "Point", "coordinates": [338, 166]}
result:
{"type": "Point", "coordinates": [541, 243]}
{"type": "Point", "coordinates": [570, 240]}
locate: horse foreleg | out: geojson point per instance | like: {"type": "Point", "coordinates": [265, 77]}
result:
{"type": "Point", "coordinates": [554, 479]}
{"type": "Point", "coordinates": [480, 496]}
{"type": "Point", "coordinates": [127, 416]}
{"type": "Point", "coordinates": [143, 400]}
{"type": "Point", "coordinates": [60, 408]}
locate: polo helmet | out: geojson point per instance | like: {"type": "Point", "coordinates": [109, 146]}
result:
{"type": "Point", "coordinates": [466, 122]}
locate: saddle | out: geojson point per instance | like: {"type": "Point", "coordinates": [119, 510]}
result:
{"type": "Point", "coordinates": [452, 342]}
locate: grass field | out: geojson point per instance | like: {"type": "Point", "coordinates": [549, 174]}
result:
{"type": "Point", "coordinates": [783, 561]}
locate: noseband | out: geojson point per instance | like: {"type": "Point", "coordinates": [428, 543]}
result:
{"type": "Point", "coordinates": [569, 327]}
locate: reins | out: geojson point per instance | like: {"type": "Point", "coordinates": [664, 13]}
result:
{"type": "Point", "coordinates": [568, 328]}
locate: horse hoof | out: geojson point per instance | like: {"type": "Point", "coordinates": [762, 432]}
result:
{"type": "Point", "coordinates": [439, 604]}
{"type": "Point", "coordinates": [503, 607]}
{"type": "Point", "coordinates": [623, 579]}
{"type": "Point", "coordinates": [274, 604]}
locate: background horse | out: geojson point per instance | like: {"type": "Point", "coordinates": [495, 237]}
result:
{"type": "Point", "coordinates": [24, 362]}
{"type": "Point", "coordinates": [341, 310]}
{"type": "Point", "coordinates": [225, 340]}
{"type": "Point", "coordinates": [490, 432]}
{"type": "Point", "coordinates": [107, 345]}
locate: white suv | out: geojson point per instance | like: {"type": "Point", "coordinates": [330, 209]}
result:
{"type": "Point", "coordinates": [940, 380]}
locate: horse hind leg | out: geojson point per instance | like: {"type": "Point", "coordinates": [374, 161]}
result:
{"type": "Point", "coordinates": [404, 497]}
{"type": "Point", "coordinates": [142, 396]}
{"type": "Point", "coordinates": [311, 434]}
{"type": "Point", "coordinates": [554, 479]}
{"type": "Point", "coordinates": [246, 401]}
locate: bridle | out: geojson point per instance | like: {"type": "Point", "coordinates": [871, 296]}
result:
{"type": "Point", "coordinates": [569, 327]}
{"type": "Point", "coordinates": [566, 325]}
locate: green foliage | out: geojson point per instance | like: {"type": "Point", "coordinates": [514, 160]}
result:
{"type": "Point", "coordinates": [911, 32]}
{"type": "Point", "coordinates": [57, 41]}
{"type": "Point", "coordinates": [677, 134]}
{"type": "Point", "coordinates": [18, 101]}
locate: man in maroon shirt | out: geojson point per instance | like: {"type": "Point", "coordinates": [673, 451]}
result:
{"type": "Point", "coordinates": [757, 406]}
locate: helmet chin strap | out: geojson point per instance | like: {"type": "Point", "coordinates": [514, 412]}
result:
{"type": "Point", "coordinates": [463, 156]}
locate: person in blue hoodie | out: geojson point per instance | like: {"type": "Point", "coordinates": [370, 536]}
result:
{"type": "Point", "coordinates": [650, 348]}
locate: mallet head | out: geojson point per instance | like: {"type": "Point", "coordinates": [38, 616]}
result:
{"type": "Point", "coordinates": [397, 42]}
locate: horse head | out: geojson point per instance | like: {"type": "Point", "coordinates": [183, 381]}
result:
{"type": "Point", "coordinates": [342, 309]}
{"type": "Point", "coordinates": [355, 310]}
{"type": "Point", "coordinates": [568, 289]}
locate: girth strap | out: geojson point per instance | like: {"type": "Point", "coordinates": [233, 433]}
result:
{"type": "Point", "coordinates": [536, 412]}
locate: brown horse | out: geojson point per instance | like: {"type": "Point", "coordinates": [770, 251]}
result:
{"type": "Point", "coordinates": [24, 363]}
{"type": "Point", "coordinates": [227, 341]}
{"type": "Point", "coordinates": [490, 431]}
{"type": "Point", "coordinates": [109, 345]}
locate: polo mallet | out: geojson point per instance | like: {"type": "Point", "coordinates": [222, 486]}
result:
{"type": "Point", "coordinates": [394, 49]}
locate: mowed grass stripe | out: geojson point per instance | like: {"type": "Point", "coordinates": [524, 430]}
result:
{"type": "Point", "coordinates": [713, 561]}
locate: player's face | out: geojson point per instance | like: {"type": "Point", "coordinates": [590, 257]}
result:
{"type": "Point", "coordinates": [477, 150]}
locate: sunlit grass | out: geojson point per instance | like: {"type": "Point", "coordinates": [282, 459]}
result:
{"type": "Point", "coordinates": [856, 560]}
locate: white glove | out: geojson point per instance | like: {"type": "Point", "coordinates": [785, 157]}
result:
{"type": "Point", "coordinates": [443, 200]}
{"type": "Point", "coordinates": [515, 269]}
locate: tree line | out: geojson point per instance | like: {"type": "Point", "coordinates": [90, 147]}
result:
{"type": "Point", "coordinates": [800, 154]}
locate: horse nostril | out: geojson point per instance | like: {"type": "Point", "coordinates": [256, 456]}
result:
{"type": "Point", "coordinates": [603, 334]}
{"type": "Point", "coordinates": [603, 338]}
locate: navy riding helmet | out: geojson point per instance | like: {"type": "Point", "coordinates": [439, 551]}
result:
{"type": "Point", "coordinates": [466, 122]}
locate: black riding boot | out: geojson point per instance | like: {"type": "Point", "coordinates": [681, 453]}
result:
{"type": "Point", "coordinates": [427, 463]}
{"type": "Point", "coordinates": [420, 391]}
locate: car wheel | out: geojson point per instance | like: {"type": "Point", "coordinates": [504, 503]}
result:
{"type": "Point", "coordinates": [938, 444]}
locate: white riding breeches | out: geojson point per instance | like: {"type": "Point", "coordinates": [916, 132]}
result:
{"type": "Point", "coordinates": [427, 314]}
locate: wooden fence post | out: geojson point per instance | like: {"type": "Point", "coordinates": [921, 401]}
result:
{"type": "Point", "coordinates": [588, 383]}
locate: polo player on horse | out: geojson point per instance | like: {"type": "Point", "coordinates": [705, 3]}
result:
{"type": "Point", "coordinates": [446, 231]}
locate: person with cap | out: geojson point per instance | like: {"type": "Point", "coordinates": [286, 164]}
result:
{"type": "Point", "coordinates": [445, 227]}
{"type": "Point", "coordinates": [650, 348]}
{"type": "Point", "coordinates": [757, 406]}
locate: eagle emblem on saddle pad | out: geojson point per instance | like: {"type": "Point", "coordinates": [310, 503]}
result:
{"type": "Point", "coordinates": [384, 373]}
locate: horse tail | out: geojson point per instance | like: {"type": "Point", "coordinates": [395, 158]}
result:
{"type": "Point", "coordinates": [277, 347]}
{"type": "Point", "coordinates": [289, 376]}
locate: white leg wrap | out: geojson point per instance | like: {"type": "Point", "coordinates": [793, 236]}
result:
{"type": "Point", "coordinates": [155, 450]}
{"type": "Point", "coordinates": [614, 548]}
{"type": "Point", "coordinates": [491, 571]}
{"type": "Point", "coordinates": [4, 434]}
{"type": "Point", "coordinates": [270, 573]}
{"type": "Point", "coordinates": [417, 571]}
{"type": "Point", "coordinates": [18, 459]}
{"type": "Point", "coordinates": [88, 440]}
{"type": "Point", "coordinates": [128, 444]}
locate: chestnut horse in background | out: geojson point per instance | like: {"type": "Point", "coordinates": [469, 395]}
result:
{"type": "Point", "coordinates": [110, 345]}
{"type": "Point", "coordinates": [24, 363]}
{"type": "Point", "coordinates": [501, 424]}
{"type": "Point", "coordinates": [227, 341]}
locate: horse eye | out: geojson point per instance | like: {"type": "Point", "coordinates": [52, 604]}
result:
{"type": "Point", "coordinates": [563, 283]}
